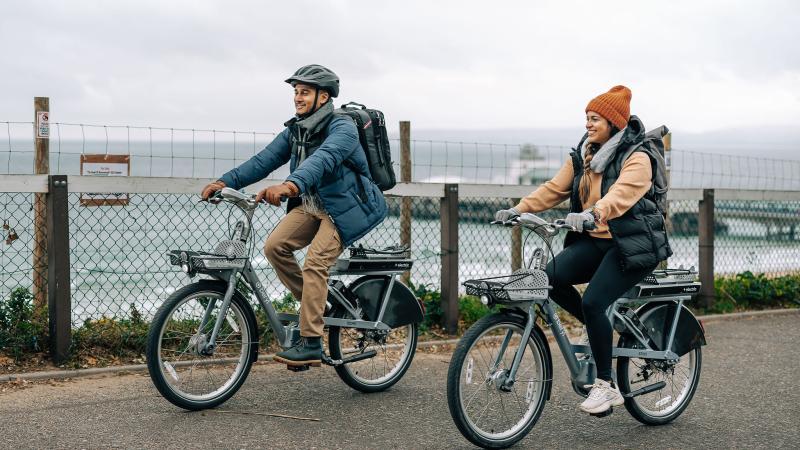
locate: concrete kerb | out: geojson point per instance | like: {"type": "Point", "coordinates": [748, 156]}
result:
{"type": "Point", "coordinates": [75, 373]}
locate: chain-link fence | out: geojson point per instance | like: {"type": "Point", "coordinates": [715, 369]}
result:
{"type": "Point", "coordinates": [23, 240]}
{"type": "Point", "coordinates": [118, 263]}
{"type": "Point", "coordinates": [759, 236]}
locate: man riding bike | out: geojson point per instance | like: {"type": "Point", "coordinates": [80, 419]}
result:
{"type": "Point", "coordinates": [332, 200]}
{"type": "Point", "coordinates": [629, 239]}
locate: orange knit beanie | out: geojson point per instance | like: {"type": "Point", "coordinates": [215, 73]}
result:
{"type": "Point", "coordinates": [614, 106]}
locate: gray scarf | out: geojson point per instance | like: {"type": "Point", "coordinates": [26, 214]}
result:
{"type": "Point", "coordinates": [312, 203]}
{"type": "Point", "coordinates": [606, 153]}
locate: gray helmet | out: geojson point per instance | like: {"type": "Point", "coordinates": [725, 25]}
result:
{"type": "Point", "coordinates": [318, 76]}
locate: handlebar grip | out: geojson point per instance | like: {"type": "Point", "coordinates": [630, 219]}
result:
{"type": "Point", "coordinates": [589, 225]}
{"type": "Point", "coordinates": [506, 223]}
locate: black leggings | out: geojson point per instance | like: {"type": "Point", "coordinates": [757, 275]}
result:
{"type": "Point", "coordinates": [595, 261]}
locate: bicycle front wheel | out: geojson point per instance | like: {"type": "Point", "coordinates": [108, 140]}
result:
{"type": "Point", "coordinates": [180, 368]}
{"type": "Point", "coordinates": [489, 413]}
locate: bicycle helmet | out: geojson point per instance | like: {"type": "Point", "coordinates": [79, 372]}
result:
{"type": "Point", "coordinates": [318, 76]}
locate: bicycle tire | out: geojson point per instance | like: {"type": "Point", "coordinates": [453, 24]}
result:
{"type": "Point", "coordinates": [346, 372]}
{"type": "Point", "coordinates": [535, 343]}
{"type": "Point", "coordinates": [250, 352]}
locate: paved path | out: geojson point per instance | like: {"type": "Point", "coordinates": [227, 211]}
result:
{"type": "Point", "coordinates": [748, 398]}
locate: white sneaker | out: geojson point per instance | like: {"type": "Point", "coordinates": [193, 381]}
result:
{"type": "Point", "coordinates": [602, 397]}
{"type": "Point", "coordinates": [584, 340]}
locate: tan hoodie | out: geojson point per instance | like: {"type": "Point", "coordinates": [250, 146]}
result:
{"type": "Point", "coordinates": [634, 181]}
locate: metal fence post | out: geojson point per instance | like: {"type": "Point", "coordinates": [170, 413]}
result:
{"type": "Point", "coordinates": [516, 244]}
{"type": "Point", "coordinates": [706, 248]}
{"type": "Point", "coordinates": [58, 278]}
{"type": "Point", "coordinates": [405, 177]}
{"type": "Point", "coordinates": [449, 251]}
{"type": "Point", "coordinates": [41, 141]}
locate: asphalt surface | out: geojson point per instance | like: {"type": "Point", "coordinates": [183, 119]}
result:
{"type": "Point", "coordinates": [747, 398]}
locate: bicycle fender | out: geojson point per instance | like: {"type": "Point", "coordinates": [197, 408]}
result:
{"type": "Point", "coordinates": [402, 308]}
{"type": "Point", "coordinates": [658, 316]}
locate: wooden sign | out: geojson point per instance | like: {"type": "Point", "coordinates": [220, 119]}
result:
{"type": "Point", "coordinates": [105, 166]}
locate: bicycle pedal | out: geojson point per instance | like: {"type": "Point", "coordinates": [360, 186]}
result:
{"type": "Point", "coordinates": [302, 367]}
{"type": "Point", "coordinates": [605, 413]}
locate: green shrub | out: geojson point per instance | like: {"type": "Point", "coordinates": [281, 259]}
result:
{"type": "Point", "coordinates": [749, 291]}
{"type": "Point", "coordinates": [119, 337]}
{"type": "Point", "coordinates": [19, 333]}
{"type": "Point", "coordinates": [470, 308]}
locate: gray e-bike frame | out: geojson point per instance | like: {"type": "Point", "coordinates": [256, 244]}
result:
{"type": "Point", "coordinates": [247, 205]}
{"type": "Point", "coordinates": [581, 370]}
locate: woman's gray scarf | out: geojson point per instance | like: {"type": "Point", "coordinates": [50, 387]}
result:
{"type": "Point", "coordinates": [606, 153]}
{"type": "Point", "coordinates": [312, 203]}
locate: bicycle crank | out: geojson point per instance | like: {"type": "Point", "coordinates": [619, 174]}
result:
{"type": "Point", "coordinates": [338, 362]}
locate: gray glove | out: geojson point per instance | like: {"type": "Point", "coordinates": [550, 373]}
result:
{"type": "Point", "coordinates": [576, 220]}
{"type": "Point", "coordinates": [506, 214]}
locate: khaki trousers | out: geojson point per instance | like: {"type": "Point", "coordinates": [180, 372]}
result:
{"type": "Point", "coordinates": [310, 285]}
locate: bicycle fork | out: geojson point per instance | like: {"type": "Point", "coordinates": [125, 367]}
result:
{"type": "Point", "coordinates": [207, 348]}
{"type": "Point", "coordinates": [505, 381]}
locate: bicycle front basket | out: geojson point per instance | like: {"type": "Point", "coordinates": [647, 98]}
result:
{"type": "Point", "coordinates": [522, 285]}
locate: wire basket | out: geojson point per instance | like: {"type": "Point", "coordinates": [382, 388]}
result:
{"type": "Point", "coordinates": [522, 285]}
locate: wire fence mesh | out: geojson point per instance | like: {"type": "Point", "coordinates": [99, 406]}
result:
{"type": "Point", "coordinates": [207, 153]}
{"type": "Point", "coordinates": [118, 263]}
{"type": "Point", "coordinates": [23, 238]}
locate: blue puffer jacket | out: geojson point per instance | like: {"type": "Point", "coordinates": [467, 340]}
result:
{"type": "Point", "coordinates": [323, 172]}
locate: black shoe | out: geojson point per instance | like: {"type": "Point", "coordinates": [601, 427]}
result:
{"type": "Point", "coordinates": [307, 352]}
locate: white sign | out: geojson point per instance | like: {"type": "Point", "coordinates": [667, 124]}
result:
{"type": "Point", "coordinates": [43, 125]}
{"type": "Point", "coordinates": [105, 166]}
{"type": "Point", "coordinates": [105, 169]}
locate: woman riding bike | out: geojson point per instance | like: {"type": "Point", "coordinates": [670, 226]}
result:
{"type": "Point", "coordinates": [629, 239]}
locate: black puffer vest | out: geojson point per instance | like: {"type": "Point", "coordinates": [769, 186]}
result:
{"type": "Point", "coordinates": [640, 234]}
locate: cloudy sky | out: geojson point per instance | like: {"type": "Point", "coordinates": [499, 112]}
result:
{"type": "Point", "coordinates": [697, 65]}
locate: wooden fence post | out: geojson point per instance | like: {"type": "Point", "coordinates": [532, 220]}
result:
{"type": "Point", "coordinates": [59, 304]}
{"type": "Point", "coordinates": [449, 251]}
{"type": "Point", "coordinates": [41, 141]}
{"type": "Point", "coordinates": [706, 248]}
{"type": "Point", "coordinates": [516, 244]}
{"type": "Point", "coordinates": [405, 177]}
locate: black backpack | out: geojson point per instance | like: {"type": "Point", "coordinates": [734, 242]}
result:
{"type": "Point", "coordinates": [653, 146]}
{"type": "Point", "coordinates": [375, 142]}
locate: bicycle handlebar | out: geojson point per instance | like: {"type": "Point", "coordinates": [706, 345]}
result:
{"type": "Point", "coordinates": [532, 220]}
{"type": "Point", "coordinates": [234, 196]}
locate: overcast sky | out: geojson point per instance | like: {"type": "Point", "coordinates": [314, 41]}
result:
{"type": "Point", "coordinates": [696, 65]}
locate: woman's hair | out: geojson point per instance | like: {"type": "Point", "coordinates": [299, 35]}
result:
{"type": "Point", "coordinates": [591, 149]}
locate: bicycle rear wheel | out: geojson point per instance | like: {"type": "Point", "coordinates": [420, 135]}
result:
{"type": "Point", "coordinates": [486, 414]}
{"type": "Point", "coordinates": [180, 371]}
{"type": "Point", "coordinates": [666, 404]}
